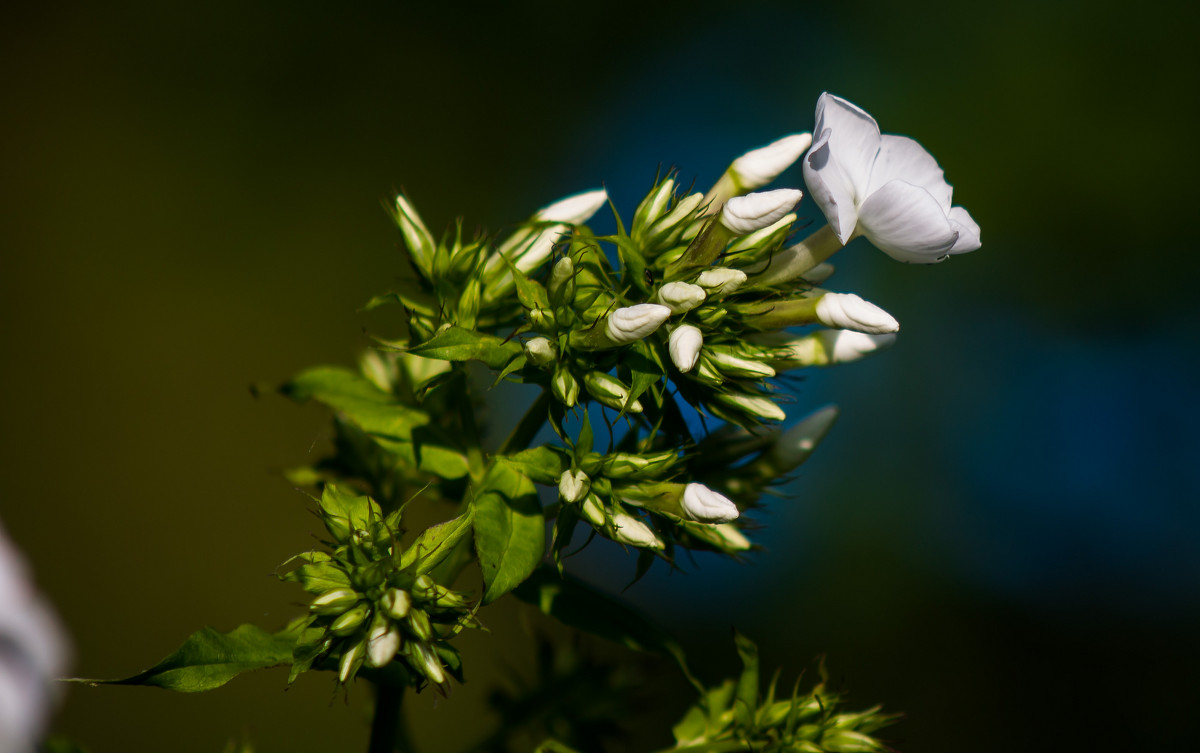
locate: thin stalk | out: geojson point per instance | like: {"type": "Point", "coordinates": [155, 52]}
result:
{"type": "Point", "coordinates": [386, 733]}
{"type": "Point", "coordinates": [528, 427]}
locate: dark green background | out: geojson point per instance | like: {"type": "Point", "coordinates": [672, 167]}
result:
{"type": "Point", "coordinates": [1000, 537]}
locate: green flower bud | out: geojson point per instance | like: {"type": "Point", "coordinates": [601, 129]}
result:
{"type": "Point", "coordinates": [625, 464]}
{"type": "Point", "coordinates": [418, 622]}
{"type": "Point", "coordinates": [675, 221]}
{"type": "Point", "coordinates": [334, 602]}
{"type": "Point", "coordinates": [541, 352]}
{"type": "Point", "coordinates": [732, 362]}
{"type": "Point", "coordinates": [424, 588]}
{"type": "Point", "coordinates": [564, 386]}
{"type": "Point", "coordinates": [382, 644]}
{"type": "Point", "coordinates": [352, 659]}
{"type": "Point", "coordinates": [349, 621]}
{"type": "Point", "coordinates": [543, 320]}
{"type": "Point", "coordinates": [396, 603]}
{"type": "Point", "coordinates": [711, 316]}
{"type": "Point", "coordinates": [561, 285]}
{"type": "Point", "coordinates": [758, 406]}
{"type": "Point", "coordinates": [428, 663]}
{"type": "Point", "coordinates": [652, 208]}
{"type": "Point", "coordinates": [610, 391]}
{"type": "Point", "coordinates": [592, 510]}
{"type": "Point", "coordinates": [468, 304]}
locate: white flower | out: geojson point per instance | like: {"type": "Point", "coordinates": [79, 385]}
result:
{"type": "Point", "coordinates": [573, 486]}
{"type": "Point", "coordinates": [629, 530]}
{"type": "Point", "coordinates": [721, 280]}
{"type": "Point", "coordinates": [33, 653]}
{"type": "Point", "coordinates": [382, 644]}
{"type": "Point", "coordinates": [755, 211]}
{"type": "Point", "coordinates": [848, 311]}
{"type": "Point", "coordinates": [887, 188]}
{"type": "Point", "coordinates": [574, 210]}
{"type": "Point", "coordinates": [707, 506]}
{"type": "Point", "coordinates": [798, 442]}
{"type": "Point", "coordinates": [685, 344]}
{"type": "Point", "coordinates": [625, 325]}
{"type": "Point", "coordinates": [680, 296]}
{"type": "Point", "coordinates": [758, 167]}
{"type": "Point", "coordinates": [844, 346]}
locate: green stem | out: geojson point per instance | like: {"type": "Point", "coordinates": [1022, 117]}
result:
{"type": "Point", "coordinates": [386, 733]}
{"type": "Point", "coordinates": [528, 427]}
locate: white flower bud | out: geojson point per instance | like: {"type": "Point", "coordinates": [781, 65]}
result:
{"type": "Point", "coordinates": [685, 344]}
{"type": "Point", "coordinates": [754, 405]}
{"type": "Point", "coordinates": [734, 539]}
{"type": "Point", "coordinates": [848, 311]}
{"type": "Point", "coordinates": [396, 603]}
{"type": "Point", "coordinates": [707, 506]}
{"type": "Point", "coordinates": [610, 391]}
{"type": "Point", "coordinates": [540, 351]}
{"type": "Point", "coordinates": [592, 510]}
{"type": "Point", "coordinates": [625, 325]}
{"type": "Point", "coordinates": [573, 486]}
{"type": "Point", "coordinates": [574, 210]}
{"type": "Point", "coordinates": [334, 601]}
{"type": "Point", "coordinates": [721, 281]}
{"type": "Point", "coordinates": [843, 345]}
{"type": "Point", "coordinates": [680, 296]}
{"type": "Point", "coordinates": [351, 660]}
{"type": "Point", "coordinates": [798, 442]}
{"type": "Point", "coordinates": [630, 530]}
{"type": "Point", "coordinates": [561, 285]}
{"type": "Point", "coordinates": [382, 644]}
{"type": "Point", "coordinates": [428, 662]}
{"type": "Point", "coordinates": [745, 214]}
{"type": "Point", "coordinates": [758, 167]}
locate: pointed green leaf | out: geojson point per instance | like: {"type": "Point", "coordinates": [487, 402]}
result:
{"type": "Point", "coordinates": [375, 411]}
{"type": "Point", "coordinates": [510, 532]}
{"type": "Point", "coordinates": [582, 607]}
{"type": "Point", "coordinates": [208, 659]}
{"type": "Point", "coordinates": [458, 344]}
{"type": "Point", "coordinates": [435, 544]}
{"type": "Point", "coordinates": [543, 464]}
{"type": "Point", "coordinates": [318, 575]}
{"type": "Point", "coordinates": [746, 705]}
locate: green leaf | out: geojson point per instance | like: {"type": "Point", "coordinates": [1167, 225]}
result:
{"type": "Point", "coordinates": [582, 607]}
{"type": "Point", "coordinates": [543, 464]}
{"type": "Point", "coordinates": [510, 533]}
{"type": "Point", "coordinates": [375, 411]}
{"type": "Point", "coordinates": [318, 575]}
{"type": "Point", "coordinates": [458, 344]}
{"type": "Point", "coordinates": [208, 659]}
{"type": "Point", "coordinates": [746, 703]}
{"type": "Point", "coordinates": [644, 368]}
{"type": "Point", "coordinates": [435, 544]}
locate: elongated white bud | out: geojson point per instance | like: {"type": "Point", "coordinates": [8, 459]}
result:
{"type": "Point", "coordinates": [844, 346]}
{"type": "Point", "coordinates": [625, 325]}
{"type": "Point", "coordinates": [721, 281]}
{"type": "Point", "coordinates": [682, 211]}
{"type": "Point", "coordinates": [382, 644]}
{"type": "Point", "coordinates": [573, 486]}
{"type": "Point", "coordinates": [734, 539]}
{"type": "Point", "coordinates": [575, 210]}
{"type": "Point", "coordinates": [629, 530]}
{"type": "Point", "coordinates": [351, 660]}
{"type": "Point", "coordinates": [758, 167]}
{"type": "Point", "coordinates": [685, 344]}
{"type": "Point", "coordinates": [707, 506]}
{"type": "Point", "coordinates": [848, 311]}
{"type": "Point", "coordinates": [754, 405]}
{"type": "Point", "coordinates": [416, 235]}
{"type": "Point", "coordinates": [428, 663]}
{"type": "Point", "coordinates": [736, 366]}
{"type": "Point", "coordinates": [745, 214]}
{"type": "Point", "coordinates": [540, 351]}
{"type": "Point", "coordinates": [798, 442]}
{"type": "Point", "coordinates": [680, 296]}
{"type": "Point", "coordinates": [592, 510]}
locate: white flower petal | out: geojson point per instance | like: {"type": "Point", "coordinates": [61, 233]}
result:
{"type": "Point", "coordinates": [831, 188]}
{"type": "Point", "coordinates": [901, 158]}
{"type": "Point", "coordinates": [684, 345]}
{"type": "Point", "coordinates": [758, 167]}
{"type": "Point", "coordinates": [849, 311]}
{"type": "Point", "coordinates": [575, 210]}
{"type": "Point", "coordinates": [631, 323]}
{"type": "Point", "coordinates": [854, 139]}
{"type": "Point", "coordinates": [968, 231]}
{"type": "Point", "coordinates": [907, 223]}
{"type": "Point", "coordinates": [844, 346]}
{"type": "Point", "coordinates": [707, 506]}
{"type": "Point", "coordinates": [745, 214]}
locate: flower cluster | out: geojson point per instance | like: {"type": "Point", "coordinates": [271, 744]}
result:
{"type": "Point", "coordinates": [375, 603]}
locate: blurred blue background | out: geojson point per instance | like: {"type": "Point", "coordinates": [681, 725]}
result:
{"type": "Point", "coordinates": [1000, 536]}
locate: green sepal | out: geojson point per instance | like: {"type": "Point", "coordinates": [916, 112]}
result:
{"type": "Point", "coordinates": [458, 344]}
{"type": "Point", "coordinates": [345, 512]}
{"type": "Point", "coordinates": [208, 659]}
{"type": "Point", "coordinates": [582, 607]}
{"type": "Point", "coordinates": [435, 544]}
{"type": "Point", "coordinates": [510, 532]}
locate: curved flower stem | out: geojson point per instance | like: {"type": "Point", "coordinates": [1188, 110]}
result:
{"type": "Point", "coordinates": [794, 261]}
{"type": "Point", "coordinates": [528, 427]}
{"type": "Point", "coordinates": [387, 733]}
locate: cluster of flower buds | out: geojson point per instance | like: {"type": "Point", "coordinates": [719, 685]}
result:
{"type": "Point", "coordinates": [375, 603]}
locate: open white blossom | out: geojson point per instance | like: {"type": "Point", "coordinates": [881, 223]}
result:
{"type": "Point", "coordinates": [707, 506]}
{"type": "Point", "coordinates": [630, 323]}
{"type": "Point", "coordinates": [884, 187]}
{"type": "Point", "coordinates": [849, 311]}
{"type": "Point", "coordinates": [755, 211]}
{"type": "Point", "coordinates": [33, 654]}
{"type": "Point", "coordinates": [629, 530]}
{"type": "Point", "coordinates": [684, 345]}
